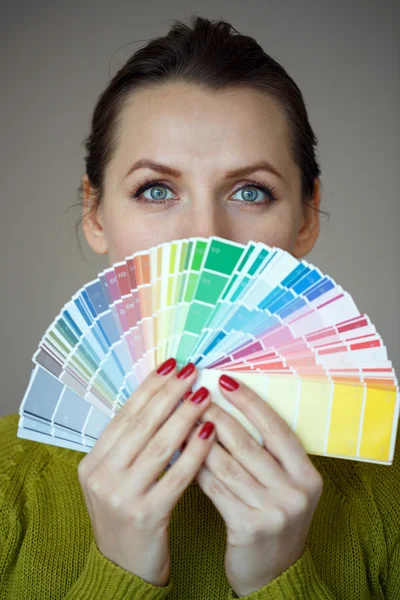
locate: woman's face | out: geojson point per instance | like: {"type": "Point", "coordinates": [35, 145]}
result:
{"type": "Point", "coordinates": [201, 136]}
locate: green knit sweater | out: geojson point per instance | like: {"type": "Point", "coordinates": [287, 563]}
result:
{"type": "Point", "coordinates": [48, 551]}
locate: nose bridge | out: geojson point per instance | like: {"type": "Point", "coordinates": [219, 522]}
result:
{"type": "Point", "coordinates": [204, 213]}
{"type": "Point", "coordinates": [205, 218]}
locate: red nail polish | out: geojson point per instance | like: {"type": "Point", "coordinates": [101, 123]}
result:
{"type": "Point", "coordinates": [228, 383]}
{"type": "Point", "coordinates": [206, 430]}
{"type": "Point", "coordinates": [186, 396]}
{"type": "Point", "coordinates": [200, 395]}
{"type": "Point", "coordinates": [186, 371]}
{"type": "Point", "coordinates": [167, 366]}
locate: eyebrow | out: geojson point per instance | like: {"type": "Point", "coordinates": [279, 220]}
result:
{"type": "Point", "coordinates": [144, 163]}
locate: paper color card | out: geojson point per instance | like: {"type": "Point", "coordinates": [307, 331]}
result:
{"type": "Point", "coordinates": [217, 266]}
{"type": "Point", "coordinates": [193, 263]}
{"type": "Point", "coordinates": [277, 324]}
{"type": "Point", "coordinates": [254, 260]}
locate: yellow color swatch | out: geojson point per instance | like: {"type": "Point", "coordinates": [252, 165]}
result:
{"type": "Point", "coordinates": [377, 424]}
{"type": "Point", "coordinates": [345, 419]}
{"type": "Point", "coordinates": [313, 414]}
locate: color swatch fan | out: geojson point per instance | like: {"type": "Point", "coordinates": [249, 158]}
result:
{"type": "Point", "coordinates": [275, 323]}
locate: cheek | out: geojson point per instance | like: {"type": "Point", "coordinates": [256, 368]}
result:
{"type": "Point", "coordinates": [125, 234]}
{"type": "Point", "coordinates": [128, 231]}
{"type": "Point", "coordinates": [128, 238]}
{"type": "Point", "coordinates": [275, 228]}
{"type": "Point", "coordinates": [281, 234]}
{"type": "Point", "coordinates": [125, 244]}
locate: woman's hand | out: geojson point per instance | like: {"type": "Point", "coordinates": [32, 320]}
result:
{"type": "Point", "coordinates": [129, 506]}
{"type": "Point", "coordinates": [266, 496]}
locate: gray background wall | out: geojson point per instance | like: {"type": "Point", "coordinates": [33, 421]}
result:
{"type": "Point", "coordinates": [344, 55]}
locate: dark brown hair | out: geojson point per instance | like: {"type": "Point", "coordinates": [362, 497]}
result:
{"type": "Point", "coordinates": [210, 55]}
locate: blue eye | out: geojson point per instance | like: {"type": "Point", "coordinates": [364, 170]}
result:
{"type": "Point", "coordinates": [147, 186]}
{"type": "Point", "coordinates": [248, 197]}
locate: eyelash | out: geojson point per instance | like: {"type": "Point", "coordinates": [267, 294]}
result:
{"type": "Point", "coordinates": [268, 189]}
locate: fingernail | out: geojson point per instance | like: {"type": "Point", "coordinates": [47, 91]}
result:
{"type": "Point", "coordinates": [186, 396]}
{"type": "Point", "coordinates": [206, 430]}
{"type": "Point", "coordinates": [228, 383]}
{"type": "Point", "coordinates": [186, 371]}
{"type": "Point", "coordinates": [200, 395]}
{"type": "Point", "coordinates": [167, 366]}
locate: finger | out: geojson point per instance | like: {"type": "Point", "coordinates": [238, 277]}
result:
{"type": "Point", "coordinates": [234, 476]}
{"type": "Point", "coordinates": [231, 509]}
{"type": "Point", "coordinates": [129, 417]}
{"type": "Point", "coordinates": [279, 438]}
{"type": "Point", "coordinates": [141, 427]}
{"type": "Point", "coordinates": [245, 450]}
{"type": "Point", "coordinates": [183, 471]}
{"type": "Point", "coordinates": [158, 451]}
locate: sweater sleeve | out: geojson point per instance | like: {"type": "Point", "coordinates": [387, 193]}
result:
{"type": "Point", "coordinates": [105, 580]}
{"type": "Point", "coordinates": [299, 582]}
{"type": "Point", "coordinates": [393, 580]}
{"type": "Point", "coordinates": [98, 577]}
{"type": "Point", "coordinates": [380, 496]}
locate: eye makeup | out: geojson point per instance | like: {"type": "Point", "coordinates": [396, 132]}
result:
{"type": "Point", "coordinates": [266, 188]}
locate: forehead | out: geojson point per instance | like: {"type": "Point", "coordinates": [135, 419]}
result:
{"type": "Point", "coordinates": [183, 120]}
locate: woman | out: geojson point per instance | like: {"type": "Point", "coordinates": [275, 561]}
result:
{"type": "Point", "coordinates": [229, 519]}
